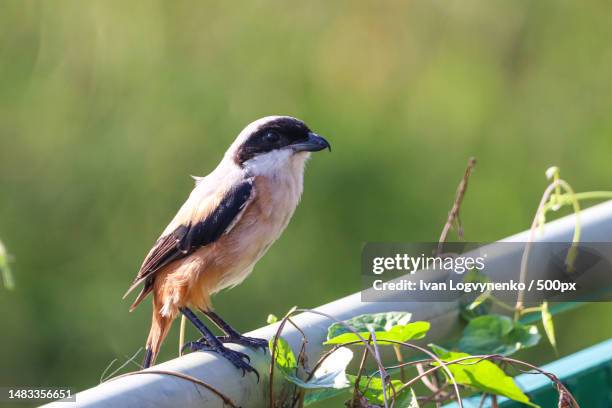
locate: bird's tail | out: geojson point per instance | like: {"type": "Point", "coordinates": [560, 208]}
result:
{"type": "Point", "coordinates": [160, 326]}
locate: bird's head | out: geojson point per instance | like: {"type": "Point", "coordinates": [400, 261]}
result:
{"type": "Point", "coordinates": [274, 142]}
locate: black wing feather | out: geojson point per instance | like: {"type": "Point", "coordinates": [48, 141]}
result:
{"type": "Point", "coordinates": [187, 238]}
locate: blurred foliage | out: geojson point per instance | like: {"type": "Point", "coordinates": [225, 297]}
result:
{"type": "Point", "coordinates": [6, 276]}
{"type": "Point", "coordinates": [106, 107]}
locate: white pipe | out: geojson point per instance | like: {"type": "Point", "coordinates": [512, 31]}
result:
{"type": "Point", "coordinates": [156, 390]}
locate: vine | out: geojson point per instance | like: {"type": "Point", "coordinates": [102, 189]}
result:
{"type": "Point", "coordinates": [480, 362]}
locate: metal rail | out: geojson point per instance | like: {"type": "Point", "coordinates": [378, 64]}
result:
{"type": "Point", "coordinates": [159, 390]}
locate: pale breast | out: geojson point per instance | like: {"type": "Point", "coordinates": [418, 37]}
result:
{"type": "Point", "coordinates": [229, 260]}
{"type": "Point", "coordinates": [262, 223]}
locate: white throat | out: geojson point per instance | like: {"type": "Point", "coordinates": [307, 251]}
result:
{"type": "Point", "coordinates": [277, 163]}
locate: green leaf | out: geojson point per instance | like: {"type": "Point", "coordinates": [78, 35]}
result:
{"type": "Point", "coordinates": [479, 300]}
{"type": "Point", "coordinates": [372, 388]}
{"type": "Point", "coordinates": [407, 400]}
{"type": "Point", "coordinates": [472, 305]}
{"type": "Point", "coordinates": [320, 394]}
{"type": "Point", "coordinates": [549, 327]}
{"type": "Point", "coordinates": [5, 271]}
{"type": "Point", "coordinates": [497, 334]}
{"type": "Point", "coordinates": [361, 323]}
{"type": "Point", "coordinates": [271, 319]}
{"type": "Point", "coordinates": [330, 374]}
{"type": "Point", "coordinates": [283, 355]}
{"type": "Point", "coordinates": [400, 333]}
{"type": "Point", "coordinates": [482, 375]}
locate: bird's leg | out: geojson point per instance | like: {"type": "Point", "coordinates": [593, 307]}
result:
{"type": "Point", "coordinates": [209, 342]}
{"type": "Point", "coordinates": [232, 336]}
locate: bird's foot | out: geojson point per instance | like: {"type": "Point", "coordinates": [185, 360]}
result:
{"type": "Point", "coordinates": [239, 360]}
{"type": "Point", "coordinates": [251, 342]}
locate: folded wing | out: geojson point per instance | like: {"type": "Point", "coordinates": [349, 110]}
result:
{"type": "Point", "coordinates": [201, 229]}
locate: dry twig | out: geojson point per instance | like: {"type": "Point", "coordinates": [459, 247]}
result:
{"type": "Point", "coordinates": [453, 215]}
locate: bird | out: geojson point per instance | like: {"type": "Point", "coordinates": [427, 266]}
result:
{"type": "Point", "coordinates": [231, 218]}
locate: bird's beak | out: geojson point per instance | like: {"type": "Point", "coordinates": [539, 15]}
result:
{"type": "Point", "coordinates": [314, 143]}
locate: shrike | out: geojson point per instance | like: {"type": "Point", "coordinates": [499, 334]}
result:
{"type": "Point", "coordinates": [227, 224]}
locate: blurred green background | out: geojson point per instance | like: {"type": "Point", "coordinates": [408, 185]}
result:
{"type": "Point", "coordinates": [106, 107]}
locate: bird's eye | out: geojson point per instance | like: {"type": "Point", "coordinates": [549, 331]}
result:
{"type": "Point", "coordinates": [271, 137]}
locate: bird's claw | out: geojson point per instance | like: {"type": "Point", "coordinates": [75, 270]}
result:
{"type": "Point", "coordinates": [237, 358]}
{"type": "Point", "coordinates": [250, 342]}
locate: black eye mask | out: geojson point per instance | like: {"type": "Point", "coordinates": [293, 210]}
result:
{"type": "Point", "coordinates": [276, 134]}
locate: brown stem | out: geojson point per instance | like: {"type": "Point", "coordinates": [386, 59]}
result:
{"type": "Point", "coordinates": [483, 399]}
{"type": "Point", "coordinates": [400, 359]}
{"type": "Point", "coordinates": [281, 326]}
{"type": "Point", "coordinates": [302, 354]}
{"type": "Point", "coordinates": [453, 214]}
{"type": "Point", "coordinates": [423, 350]}
{"type": "Point", "coordinates": [425, 380]}
{"type": "Point", "coordinates": [359, 373]}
